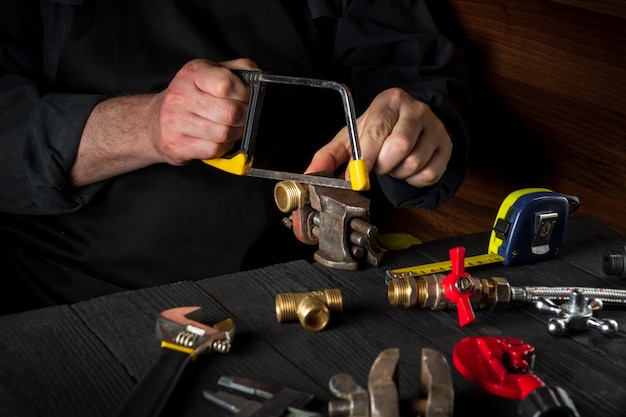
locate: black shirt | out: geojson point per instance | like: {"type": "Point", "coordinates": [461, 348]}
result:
{"type": "Point", "coordinates": [161, 224]}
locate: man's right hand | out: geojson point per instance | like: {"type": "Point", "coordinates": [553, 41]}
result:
{"type": "Point", "coordinates": [199, 115]}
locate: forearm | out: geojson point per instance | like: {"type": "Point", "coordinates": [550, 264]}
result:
{"type": "Point", "coordinates": [116, 140]}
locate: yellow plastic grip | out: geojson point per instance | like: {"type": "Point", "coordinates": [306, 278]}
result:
{"type": "Point", "coordinates": [237, 164]}
{"type": "Point", "coordinates": [359, 177]}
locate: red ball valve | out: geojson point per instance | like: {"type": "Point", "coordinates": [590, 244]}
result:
{"type": "Point", "coordinates": [459, 287]}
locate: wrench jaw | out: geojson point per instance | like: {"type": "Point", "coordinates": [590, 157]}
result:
{"type": "Point", "coordinates": [382, 384]}
{"type": "Point", "coordinates": [436, 393]}
{"type": "Point", "coordinates": [382, 399]}
{"type": "Point", "coordinates": [180, 329]}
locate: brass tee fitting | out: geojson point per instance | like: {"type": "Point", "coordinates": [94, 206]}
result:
{"type": "Point", "coordinates": [311, 308]}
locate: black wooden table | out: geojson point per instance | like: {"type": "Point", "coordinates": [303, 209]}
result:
{"type": "Point", "coordinates": [84, 359]}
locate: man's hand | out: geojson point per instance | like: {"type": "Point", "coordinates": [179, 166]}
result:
{"type": "Point", "coordinates": [201, 113]}
{"type": "Point", "coordinates": [198, 116]}
{"type": "Point", "coordinates": [399, 136]}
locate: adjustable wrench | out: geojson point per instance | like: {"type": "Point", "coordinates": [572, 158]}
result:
{"type": "Point", "coordinates": [183, 339]}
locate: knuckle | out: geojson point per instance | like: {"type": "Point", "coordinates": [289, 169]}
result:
{"type": "Point", "coordinates": [188, 68]}
{"type": "Point", "coordinates": [395, 94]}
{"type": "Point", "coordinates": [220, 134]}
{"type": "Point", "coordinates": [224, 84]}
{"type": "Point", "coordinates": [412, 164]}
{"type": "Point", "coordinates": [429, 177]}
{"type": "Point", "coordinates": [234, 113]}
{"type": "Point", "coordinates": [173, 100]}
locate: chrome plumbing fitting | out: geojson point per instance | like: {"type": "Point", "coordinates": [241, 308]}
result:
{"type": "Point", "coordinates": [576, 314]}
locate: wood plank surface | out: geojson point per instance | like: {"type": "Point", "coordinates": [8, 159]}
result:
{"type": "Point", "coordinates": [86, 358]}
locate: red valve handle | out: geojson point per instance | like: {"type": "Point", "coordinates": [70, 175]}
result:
{"type": "Point", "coordinates": [456, 293]}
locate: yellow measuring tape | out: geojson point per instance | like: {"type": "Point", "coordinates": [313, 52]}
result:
{"type": "Point", "coordinates": [529, 226]}
{"type": "Point", "coordinates": [444, 266]}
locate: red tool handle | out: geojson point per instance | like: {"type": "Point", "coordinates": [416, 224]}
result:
{"type": "Point", "coordinates": [499, 365]}
{"type": "Point", "coordinates": [459, 287]}
{"type": "Point", "coordinates": [503, 367]}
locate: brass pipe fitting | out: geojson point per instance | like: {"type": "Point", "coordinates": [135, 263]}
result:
{"type": "Point", "coordinates": [427, 292]}
{"type": "Point", "coordinates": [290, 195]}
{"type": "Point", "coordinates": [496, 293]}
{"type": "Point", "coordinates": [311, 308]}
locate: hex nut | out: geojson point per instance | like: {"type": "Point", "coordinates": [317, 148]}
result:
{"type": "Point", "coordinates": [501, 293]}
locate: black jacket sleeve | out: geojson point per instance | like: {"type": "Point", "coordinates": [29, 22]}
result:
{"type": "Point", "coordinates": [39, 132]}
{"type": "Point", "coordinates": [40, 128]}
{"type": "Point", "coordinates": [416, 57]}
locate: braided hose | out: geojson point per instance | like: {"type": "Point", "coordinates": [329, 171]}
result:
{"type": "Point", "coordinates": [529, 294]}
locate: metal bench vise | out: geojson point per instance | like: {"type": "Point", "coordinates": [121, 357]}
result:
{"type": "Point", "coordinates": [335, 219]}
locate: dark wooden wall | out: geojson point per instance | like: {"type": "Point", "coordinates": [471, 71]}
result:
{"type": "Point", "coordinates": [549, 87]}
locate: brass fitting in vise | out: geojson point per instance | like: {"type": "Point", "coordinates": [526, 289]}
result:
{"type": "Point", "coordinates": [335, 219]}
{"type": "Point", "coordinates": [311, 308]}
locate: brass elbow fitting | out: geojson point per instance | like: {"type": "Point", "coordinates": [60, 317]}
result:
{"type": "Point", "coordinates": [427, 292]}
{"type": "Point", "coordinates": [311, 308]}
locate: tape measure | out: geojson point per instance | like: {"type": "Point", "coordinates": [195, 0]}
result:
{"type": "Point", "coordinates": [444, 266]}
{"type": "Point", "coordinates": [529, 227]}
